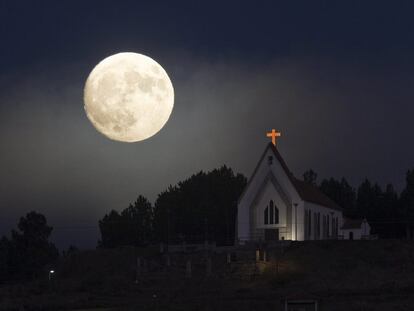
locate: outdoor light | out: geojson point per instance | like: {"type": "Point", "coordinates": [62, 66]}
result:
{"type": "Point", "coordinates": [50, 274]}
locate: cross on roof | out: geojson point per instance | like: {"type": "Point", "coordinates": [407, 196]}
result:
{"type": "Point", "coordinates": [273, 134]}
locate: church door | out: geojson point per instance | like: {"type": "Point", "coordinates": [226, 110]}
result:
{"type": "Point", "coordinates": [351, 235]}
{"type": "Point", "coordinates": [271, 234]}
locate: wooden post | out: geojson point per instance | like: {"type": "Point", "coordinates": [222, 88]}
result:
{"type": "Point", "coordinates": [264, 256]}
{"type": "Point", "coordinates": [257, 255]}
{"type": "Point", "coordinates": [188, 269]}
{"type": "Point", "coordinates": [228, 258]}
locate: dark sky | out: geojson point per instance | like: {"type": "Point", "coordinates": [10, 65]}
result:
{"type": "Point", "coordinates": [336, 77]}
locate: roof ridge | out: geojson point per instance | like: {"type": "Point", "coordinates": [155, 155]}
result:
{"type": "Point", "coordinates": [314, 195]}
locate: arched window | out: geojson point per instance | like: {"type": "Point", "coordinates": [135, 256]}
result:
{"type": "Point", "coordinates": [276, 215]}
{"type": "Point", "coordinates": [327, 226]}
{"type": "Point", "coordinates": [271, 212]}
{"type": "Point", "coordinates": [266, 215]}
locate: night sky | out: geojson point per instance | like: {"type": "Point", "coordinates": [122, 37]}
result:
{"type": "Point", "coordinates": [336, 79]}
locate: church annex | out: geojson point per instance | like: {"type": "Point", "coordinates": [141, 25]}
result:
{"type": "Point", "coordinates": [277, 206]}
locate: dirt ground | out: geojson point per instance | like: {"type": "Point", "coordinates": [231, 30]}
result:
{"type": "Point", "coordinates": [341, 275]}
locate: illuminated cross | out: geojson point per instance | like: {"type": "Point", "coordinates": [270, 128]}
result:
{"type": "Point", "coordinates": [273, 134]}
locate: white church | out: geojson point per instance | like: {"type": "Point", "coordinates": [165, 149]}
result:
{"type": "Point", "coordinates": [277, 206]}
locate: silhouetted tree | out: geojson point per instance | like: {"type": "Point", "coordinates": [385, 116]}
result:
{"type": "Point", "coordinates": [112, 233]}
{"type": "Point", "coordinates": [342, 193]}
{"type": "Point", "coordinates": [407, 203]}
{"type": "Point", "coordinates": [390, 214]}
{"type": "Point", "coordinates": [310, 177]}
{"type": "Point", "coordinates": [202, 206]}
{"type": "Point", "coordinates": [132, 227]}
{"type": "Point", "coordinates": [4, 258]}
{"type": "Point", "coordinates": [30, 250]}
{"type": "Point", "coordinates": [137, 220]}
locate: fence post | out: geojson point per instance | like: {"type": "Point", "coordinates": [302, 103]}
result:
{"type": "Point", "coordinates": [257, 255]}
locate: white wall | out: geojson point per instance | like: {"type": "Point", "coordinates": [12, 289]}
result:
{"type": "Point", "coordinates": [250, 199]}
{"type": "Point", "coordinates": [247, 200]}
{"type": "Point", "coordinates": [316, 208]}
{"type": "Point", "coordinates": [270, 193]}
{"type": "Point", "coordinates": [358, 233]}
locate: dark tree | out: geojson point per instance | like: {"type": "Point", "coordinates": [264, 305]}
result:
{"type": "Point", "coordinates": [4, 258]}
{"type": "Point", "coordinates": [310, 177]}
{"type": "Point", "coordinates": [112, 233]}
{"type": "Point", "coordinates": [390, 214]}
{"type": "Point", "coordinates": [369, 200]}
{"type": "Point", "coordinates": [203, 206]}
{"type": "Point", "coordinates": [407, 203]}
{"type": "Point", "coordinates": [137, 219]}
{"type": "Point", "coordinates": [342, 193]}
{"type": "Point", "coordinates": [30, 250]}
{"type": "Point", "coordinates": [132, 227]}
{"type": "Point", "coordinates": [378, 207]}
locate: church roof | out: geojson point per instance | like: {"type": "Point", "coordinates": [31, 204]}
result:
{"type": "Point", "coordinates": [306, 191]}
{"type": "Point", "coordinates": [352, 223]}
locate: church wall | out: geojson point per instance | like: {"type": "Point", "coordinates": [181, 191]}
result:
{"type": "Point", "coordinates": [358, 233]}
{"type": "Point", "coordinates": [245, 223]}
{"type": "Point", "coordinates": [322, 211]}
{"type": "Point", "coordinates": [270, 193]}
{"type": "Point", "coordinates": [297, 221]}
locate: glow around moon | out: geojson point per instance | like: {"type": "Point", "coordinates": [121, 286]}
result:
{"type": "Point", "coordinates": [128, 97]}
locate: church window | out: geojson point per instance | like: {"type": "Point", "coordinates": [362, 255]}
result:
{"type": "Point", "coordinates": [276, 215]}
{"type": "Point", "coordinates": [310, 223]}
{"type": "Point", "coordinates": [271, 212]}
{"type": "Point", "coordinates": [327, 225]}
{"type": "Point", "coordinates": [319, 226]}
{"type": "Point", "coordinates": [270, 160]}
{"type": "Point", "coordinates": [305, 220]}
{"type": "Point", "coordinates": [337, 227]}
{"type": "Point", "coordinates": [266, 215]}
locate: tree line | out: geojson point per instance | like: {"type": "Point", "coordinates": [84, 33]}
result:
{"type": "Point", "coordinates": [201, 207]}
{"type": "Point", "coordinates": [204, 207]}
{"type": "Point", "coordinates": [390, 214]}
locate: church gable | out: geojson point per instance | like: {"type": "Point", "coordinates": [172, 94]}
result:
{"type": "Point", "coordinates": [270, 166]}
{"type": "Point", "coordinates": [297, 190]}
{"type": "Point", "coordinates": [275, 203]}
{"type": "Point", "coordinates": [270, 205]}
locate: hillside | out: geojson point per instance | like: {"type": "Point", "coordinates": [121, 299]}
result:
{"type": "Point", "coordinates": [343, 275]}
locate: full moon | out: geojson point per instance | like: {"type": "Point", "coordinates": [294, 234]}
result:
{"type": "Point", "coordinates": [128, 97]}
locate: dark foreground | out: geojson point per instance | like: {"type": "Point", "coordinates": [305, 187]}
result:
{"type": "Point", "coordinates": [341, 275]}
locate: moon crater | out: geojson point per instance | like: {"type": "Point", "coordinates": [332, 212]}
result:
{"type": "Point", "coordinates": [128, 97]}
